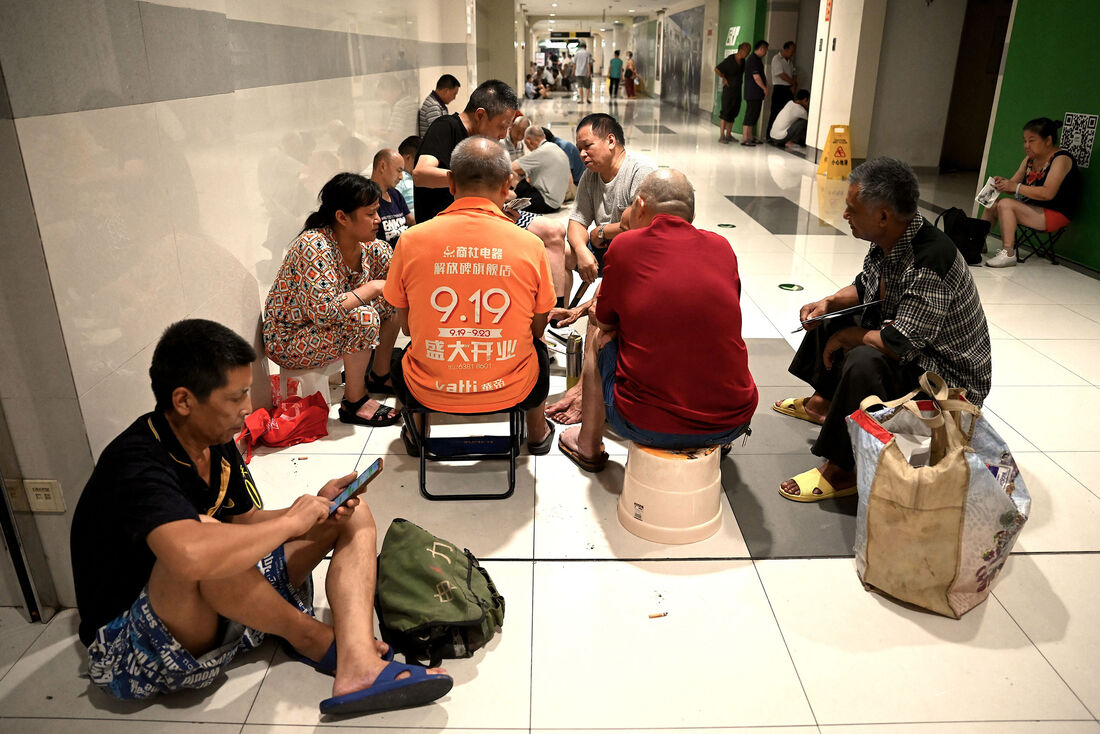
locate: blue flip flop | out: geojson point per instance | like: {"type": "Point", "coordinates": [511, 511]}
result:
{"type": "Point", "coordinates": [327, 664]}
{"type": "Point", "coordinates": [388, 693]}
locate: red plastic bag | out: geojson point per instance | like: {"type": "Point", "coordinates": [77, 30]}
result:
{"type": "Point", "coordinates": [295, 420]}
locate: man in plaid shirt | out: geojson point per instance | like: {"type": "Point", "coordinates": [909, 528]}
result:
{"type": "Point", "coordinates": [929, 319]}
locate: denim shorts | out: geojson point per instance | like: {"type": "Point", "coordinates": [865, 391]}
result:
{"type": "Point", "coordinates": [134, 656]}
{"type": "Point", "coordinates": [607, 359]}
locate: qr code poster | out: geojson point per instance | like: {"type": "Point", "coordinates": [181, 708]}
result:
{"type": "Point", "coordinates": [1077, 135]}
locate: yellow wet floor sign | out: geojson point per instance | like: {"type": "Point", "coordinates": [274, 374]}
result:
{"type": "Point", "coordinates": [836, 158]}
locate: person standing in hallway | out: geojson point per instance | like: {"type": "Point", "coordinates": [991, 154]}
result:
{"type": "Point", "coordinates": [756, 90]}
{"type": "Point", "coordinates": [731, 70]}
{"type": "Point", "coordinates": [614, 74]}
{"type": "Point", "coordinates": [630, 74]}
{"type": "Point", "coordinates": [582, 70]}
{"type": "Point", "coordinates": [435, 104]}
{"type": "Point", "coordinates": [784, 83]}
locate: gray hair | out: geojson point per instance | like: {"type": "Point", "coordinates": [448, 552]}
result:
{"type": "Point", "coordinates": [479, 162]}
{"type": "Point", "coordinates": [889, 182]}
{"type": "Point", "coordinates": [535, 132]}
{"type": "Point", "coordinates": [668, 191]}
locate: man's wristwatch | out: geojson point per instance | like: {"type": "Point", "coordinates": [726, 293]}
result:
{"type": "Point", "coordinates": [599, 233]}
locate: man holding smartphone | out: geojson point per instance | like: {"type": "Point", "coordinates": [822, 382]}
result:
{"type": "Point", "coordinates": [178, 567]}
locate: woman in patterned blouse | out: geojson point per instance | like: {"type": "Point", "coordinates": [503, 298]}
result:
{"type": "Point", "coordinates": [326, 302]}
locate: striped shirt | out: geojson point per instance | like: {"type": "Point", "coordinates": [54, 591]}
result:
{"type": "Point", "coordinates": [432, 108]}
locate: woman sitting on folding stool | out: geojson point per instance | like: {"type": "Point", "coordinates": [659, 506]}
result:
{"type": "Point", "coordinates": [326, 302]}
{"type": "Point", "coordinates": [1046, 190]}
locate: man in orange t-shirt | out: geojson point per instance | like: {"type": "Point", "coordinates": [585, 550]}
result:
{"type": "Point", "coordinates": [474, 292]}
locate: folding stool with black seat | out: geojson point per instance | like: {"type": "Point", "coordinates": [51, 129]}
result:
{"type": "Point", "coordinates": [1041, 243]}
{"type": "Point", "coordinates": [465, 448]}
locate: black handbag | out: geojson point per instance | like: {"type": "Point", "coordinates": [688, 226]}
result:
{"type": "Point", "coordinates": [967, 233]}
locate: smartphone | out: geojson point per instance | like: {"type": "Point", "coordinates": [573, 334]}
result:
{"type": "Point", "coordinates": [357, 484]}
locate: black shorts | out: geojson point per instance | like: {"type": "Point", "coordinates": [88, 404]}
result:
{"type": "Point", "coordinates": [731, 102]}
{"type": "Point", "coordinates": [752, 111]}
{"type": "Point", "coordinates": [535, 398]}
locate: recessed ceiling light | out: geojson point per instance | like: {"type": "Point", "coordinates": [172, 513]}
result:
{"type": "Point", "coordinates": [551, 22]}
{"type": "Point", "coordinates": [552, 14]}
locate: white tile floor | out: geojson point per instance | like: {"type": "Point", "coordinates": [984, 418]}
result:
{"type": "Point", "coordinates": [748, 645]}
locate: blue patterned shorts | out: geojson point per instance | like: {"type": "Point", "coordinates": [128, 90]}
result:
{"type": "Point", "coordinates": [134, 656]}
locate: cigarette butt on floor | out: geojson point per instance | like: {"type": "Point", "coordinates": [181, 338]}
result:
{"type": "Point", "coordinates": [302, 458]}
{"type": "Point", "coordinates": [658, 615]}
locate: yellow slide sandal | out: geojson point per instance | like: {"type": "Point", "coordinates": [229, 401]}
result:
{"type": "Point", "coordinates": [795, 408]}
{"type": "Point", "coordinates": [813, 487]}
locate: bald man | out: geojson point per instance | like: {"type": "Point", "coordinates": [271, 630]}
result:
{"type": "Point", "coordinates": [389, 167]}
{"type": "Point", "coordinates": [665, 364]}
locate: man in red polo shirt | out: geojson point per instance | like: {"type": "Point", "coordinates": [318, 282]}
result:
{"type": "Point", "coordinates": [664, 349]}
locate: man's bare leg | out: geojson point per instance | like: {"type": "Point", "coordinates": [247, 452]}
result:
{"type": "Point", "coordinates": [587, 439]}
{"type": "Point", "coordinates": [536, 424]}
{"type": "Point", "coordinates": [567, 410]}
{"type": "Point", "coordinates": [552, 235]}
{"type": "Point", "coordinates": [190, 610]}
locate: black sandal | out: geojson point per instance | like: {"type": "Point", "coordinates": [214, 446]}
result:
{"type": "Point", "coordinates": [543, 447]}
{"type": "Point", "coordinates": [381, 384]}
{"type": "Point", "coordinates": [384, 416]}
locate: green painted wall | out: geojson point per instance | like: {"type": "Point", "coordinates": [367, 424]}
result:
{"type": "Point", "coordinates": [750, 15]}
{"type": "Point", "coordinates": [1051, 69]}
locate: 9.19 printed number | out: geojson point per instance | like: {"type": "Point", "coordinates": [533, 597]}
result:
{"type": "Point", "coordinates": [481, 301]}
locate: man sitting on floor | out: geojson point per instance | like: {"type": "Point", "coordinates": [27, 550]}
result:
{"type": "Point", "coordinates": [665, 363]}
{"type": "Point", "coordinates": [543, 174]}
{"type": "Point", "coordinates": [789, 126]}
{"type": "Point", "coordinates": [474, 292]}
{"type": "Point", "coordinates": [929, 318]}
{"type": "Point", "coordinates": [178, 567]}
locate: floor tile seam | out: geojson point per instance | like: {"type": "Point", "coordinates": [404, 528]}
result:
{"type": "Point", "coordinates": [1067, 369]}
{"type": "Point", "coordinates": [256, 696]}
{"type": "Point", "coordinates": [26, 649]}
{"type": "Point", "coordinates": [1057, 553]}
{"type": "Point", "coordinates": [825, 727]}
{"type": "Point", "coordinates": [1067, 471]}
{"type": "Point", "coordinates": [787, 647]}
{"type": "Point", "coordinates": [1044, 657]}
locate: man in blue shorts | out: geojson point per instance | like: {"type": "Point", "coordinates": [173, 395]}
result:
{"type": "Point", "coordinates": [178, 567]}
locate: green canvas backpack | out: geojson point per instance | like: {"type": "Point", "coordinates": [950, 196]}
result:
{"type": "Point", "coordinates": [433, 601]}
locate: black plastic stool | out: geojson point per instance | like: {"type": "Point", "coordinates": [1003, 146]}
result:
{"type": "Point", "coordinates": [468, 448]}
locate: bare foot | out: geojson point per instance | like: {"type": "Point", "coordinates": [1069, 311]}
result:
{"type": "Point", "coordinates": [349, 683]}
{"type": "Point", "coordinates": [566, 411]}
{"type": "Point", "coordinates": [367, 410]}
{"type": "Point", "coordinates": [839, 478]}
{"type": "Point", "coordinates": [815, 406]}
{"type": "Point", "coordinates": [570, 438]}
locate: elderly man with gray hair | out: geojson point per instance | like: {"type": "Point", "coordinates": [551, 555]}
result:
{"type": "Point", "coordinates": [919, 311]}
{"type": "Point", "coordinates": [665, 364]}
{"type": "Point", "coordinates": [543, 174]}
